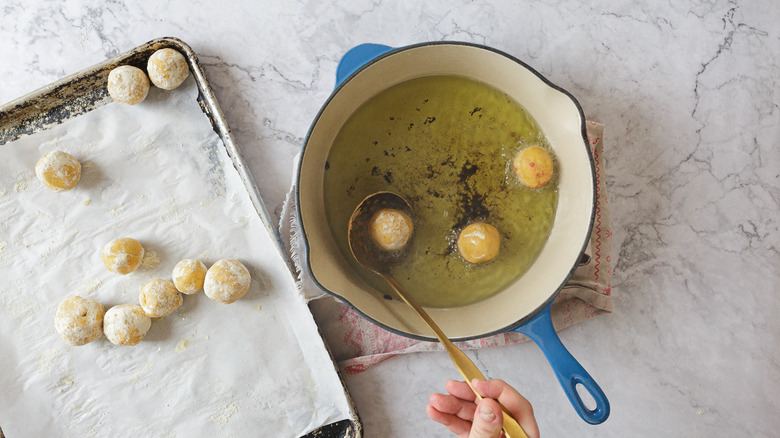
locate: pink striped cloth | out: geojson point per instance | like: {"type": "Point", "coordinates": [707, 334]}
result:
{"type": "Point", "coordinates": [357, 343]}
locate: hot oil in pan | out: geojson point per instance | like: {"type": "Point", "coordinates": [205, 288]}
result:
{"type": "Point", "coordinates": [446, 144]}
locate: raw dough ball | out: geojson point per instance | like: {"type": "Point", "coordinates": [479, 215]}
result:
{"type": "Point", "coordinates": [126, 324]}
{"type": "Point", "coordinates": [534, 167]}
{"type": "Point", "coordinates": [159, 298]}
{"type": "Point", "coordinates": [226, 281]}
{"type": "Point", "coordinates": [188, 276]}
{"type": "Point", "coordinates": [390, 229]}
{"type": "Point", "coordinates": [79, 320]}
{"type": "Point", "coordinates": [478, 242]}
{"type": "Point", "coordinates": [128, 84]}
{"type": "Point", "coordinates": [167, 69]}
{"type": "Point", "coordinates": [59, 171]}
{"type": "Point", "coordinates": [123, 255]}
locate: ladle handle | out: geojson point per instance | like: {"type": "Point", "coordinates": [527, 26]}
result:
{"type": "Point", "coordinates": [464, 365]}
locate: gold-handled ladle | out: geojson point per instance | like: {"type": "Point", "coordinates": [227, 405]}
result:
{"type": "Point", "coordinates": [369, 254]}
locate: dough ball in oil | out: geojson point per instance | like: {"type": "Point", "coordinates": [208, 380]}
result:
{"type": "Point", "coordinates": [167, 68]}
{"type": "Point", "coordinates": [479, 242]}
{"type": "Point", "coordinates": [128, 85]}
{"type": "Point", "coordinates": [226, 281]}
{"type": "Point", "coordinates": [189, 275]}
{"type": "Point", "coordinates": [126, 324]}
{"type": "Point", "coordinates": [123, 255]}
{"type": "Point", "coordinates": [533, 166]}
{"type": "Point", "coordinates": [59, 171]}
{"type": "Point", "coordinates": [160, 298]}
{"type": "Point", "coordinates": [390, 229]}
{"type": "Point", "coordinates": [79, 320]}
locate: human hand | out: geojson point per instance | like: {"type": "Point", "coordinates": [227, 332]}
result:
{"type": "Point", "coordinates": [466, 417]}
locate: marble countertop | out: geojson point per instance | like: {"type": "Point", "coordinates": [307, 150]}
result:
{"type": "Point", "coordinates": [688, 92]}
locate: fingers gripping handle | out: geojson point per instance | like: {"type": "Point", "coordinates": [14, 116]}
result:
{"type": "Point", "coordinates": [568, 371]}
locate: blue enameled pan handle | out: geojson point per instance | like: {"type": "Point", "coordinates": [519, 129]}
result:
{"type": "Point", "coordinates": [356, 57]}
{"type": "Point", "coordinates": [568, 371]}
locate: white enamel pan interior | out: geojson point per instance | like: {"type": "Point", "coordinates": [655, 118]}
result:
{"type": "Point", "coordinates": [562, 121]}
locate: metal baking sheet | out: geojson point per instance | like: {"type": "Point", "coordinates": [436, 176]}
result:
{"type": "Point", "coordinates": [84, 91]}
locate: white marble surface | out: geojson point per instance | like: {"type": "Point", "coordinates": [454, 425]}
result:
{"type": "Point", "coordinates": [688, 92]}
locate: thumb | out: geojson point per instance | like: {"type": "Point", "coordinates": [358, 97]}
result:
{"type": "Point", "coordinates": [487, 420]}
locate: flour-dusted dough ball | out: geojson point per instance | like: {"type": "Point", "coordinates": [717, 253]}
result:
{"type": "Point", "coordinates": [188, 276]}
{"type": "Point", "coordinates": [226, 281]}
{"type": "Point", "coordinates": [390, 229]}
{"type": "Point", "coordinates": [128, 84]}
{"type": "Point", "coordinates": [123, 255]}
{"type": "Point", "coordinates": [59, 171]}
{"type": "Point", "coordinates": [159, 298]}
{"type": "Point", "coordinates": [534, 167]}
{"type": "Point", "coordinates": [126, 324]}
{"type": "Point", "coordinates": [479, 242]}
{"type": "Point", "coordinates": [79, 320]}
{"type": "Point", "coordinates": [167, 68]}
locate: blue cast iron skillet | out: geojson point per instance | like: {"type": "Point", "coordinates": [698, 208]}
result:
{"type": "Point", "coordinates": [537, 324]}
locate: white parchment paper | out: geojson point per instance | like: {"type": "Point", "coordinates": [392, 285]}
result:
{"type": "Point", "coordinates": [158, 173]}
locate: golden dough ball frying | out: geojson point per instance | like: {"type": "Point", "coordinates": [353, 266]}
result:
{"type": "Point", "coordinates": [479, 242]}
{"type": "Point", "coordinates": [167, 69]}
{"type": "Point", "coordinates": [226, 281]}
{"type": "Point", "coordinates": [128, 85]}
{"type": "Point", "coordinates": [189, 275]}
{"type": "Point", "coordinates": [126, 324]}
{"type": "Point", "coordinates": [59, 171]}
{"type": "Point", "coordinates": [390, 229]}
{"type": "Point", "coordinates": [534, 167]}
{"type": "Point", "coordinates": [159, 298]}
{"type": "Point", "coordinates": [79, 320]}
{"type": "Point", "coordinates": [123, 255]}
